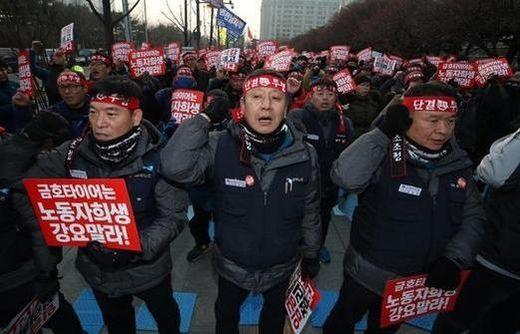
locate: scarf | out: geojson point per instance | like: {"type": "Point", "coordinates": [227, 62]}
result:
{"type": "Point", "coordinates": [118, 149]}
{"type": "Point", "coordinates": [264, 144]}
{"type": "Point", "coordinates": [423, 155]}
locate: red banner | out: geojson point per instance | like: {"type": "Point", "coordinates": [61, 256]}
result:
{"type": "Point", "coordinates": [345, 82]}
{"type": "Point", "coordinates": [339, 52]}
{"type": "Point", "coordinates": [462, 73]}
{"type": "Point", "coordinates": [74, 212]}
{"type": "Point", "coordinates": [229, 59]}
{"type": "Point", "coordinates": [212, 59]}
{"type": "Point", "coordinates": [365, 55]}
{"type": "Point", "coordinates": [301, 298]}
{"type": "Point", "coordinates": [173, 51]}
{"type": "Point", "coordinates": [492, 67]}
{"type": "Point", "coordinates": [186, 103]}
{"type": "Point", "coordinates": [408, 297]}
{"type": "Point", "coordinates": [399, 61]}
{"type": "Point", "coordinates": [151, 61]}
{"type": "Point", "coordinates": [67, 38]}
{"type": "Point", "coordinates": [32, 317]}
{"type": "Point", "coordinates": [266, 48]}
{"type": "Point", "coordinates": [280, 62]}
{"type": "Point", "coordinates": [25, 74]}
{"type": "Point", "coordinates": [121, 50]}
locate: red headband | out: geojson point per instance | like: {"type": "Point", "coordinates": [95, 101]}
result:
{"type": "Point", "coordinates": [267, 81]}
{"type": "Point", "coordinates": [70, 77]}
{"type": "Point", "coordinates": [131, 103]}
{"type": "Point", "coordinates": [101, 58]}
{"type": "Point", "coordinates": [184, 72]}
{"type": "Point", "coordinates": [431, 103]}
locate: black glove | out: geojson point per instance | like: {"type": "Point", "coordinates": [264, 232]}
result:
{"type": "Point", "coordinates": [46, 285]}
{"type": "Point", "coordinates": [310, 267]}
{"type": "Point", "coordinates": [108, 259]}
{"type": "Point", "coordinates": [150, 83]}
{"type": "Point", "coordinates": [218, 109]}
{"type": "Point", "coordinates": [396, 121]}
{"type": "Point", "coordinates": [444, 274]}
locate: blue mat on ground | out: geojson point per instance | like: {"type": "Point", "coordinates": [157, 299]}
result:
{"type": "Point", "coordinates": [186, 302]}
{"type": "Point", "coordinates": [425, 322]}
{"type": "Point", "coordinates": [250, 310]}
{"type": "Point", "coordinates": [88, 312]}
{"type": "Point", "coordinates": [322, 311]}
{"type": "Point", "coordinates": [190, 212]}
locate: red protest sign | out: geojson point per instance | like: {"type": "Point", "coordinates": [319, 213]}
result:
{"type": "Point", "coordinates": [461, 72]}
{"type": "Point", "coordinates": [344, 81]}
{"type": "Point", "coordinates": [266, 48]}
{"type": "Point", "coordinates": [398, 60]}
{"type": "Point", "coordinates": [186, 103]}
{"type": "Point", "coordinates": [121, 50]}
{"type": "Point", "coordinates": [173, 51]}
{"type": "Point", "coordinates": [280, 62]}
{"type": "Point", "coordinates": [408, 297]}
{"type": "Point", "coordinates": [435, 61]}
{"type": "Point", "coordinates": [301, 298]}
{"type": "Point", "coordinates": [365, 55]}
{"type": "Point", "coordinates": [151, 61]}
{"type": "Point", "coordinates": [229, 59]}
{"type": "Point", "coordinates": [32, 317]}
{"type": "Point", "coordinates": [25, 74]}
{"type": "Point", "coordinates": [212, 59]}
{"type": "Point", "coordinates": [67, 38]}
{"type": "Point", "coordinates": [74, 212]}
{"type": "Point", "coordinates": [492, 67]}
{"type": "Point", "coordinates": [339, 52]}
{"type": "Point", "coordinates": [384, 65]}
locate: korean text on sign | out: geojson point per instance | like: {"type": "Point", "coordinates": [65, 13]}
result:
{"type": "Point", "coordinates": [409, 297]}
{"type": "Point", "coordinates": [463, 73]}
{"type": "Point", "coordinates": [266, 48]}
{"type": "Point", "coordinates": [25, 74]}
{"type": "Point", "coordinates": [67, 38]}
{"type": "Point", "coordinates": [300, 299]}
{"type": "Point", "coordinates": [121, 50]}
{"type": "Point", "coordinates": [280, 62]}
{"type": "Point", "coordinates": [344, 81]}
{"type": "Point", "coordinates": [32, 317]}
{"type": "Point", "coordinates": [186, 103]}
{"type": "Point", "coordinates": [73, 212]}
{"type": "Point", "coordinates": [151, 61]}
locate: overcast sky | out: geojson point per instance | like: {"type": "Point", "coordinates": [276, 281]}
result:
{"type": "Point", "coordinates": [248, 10]}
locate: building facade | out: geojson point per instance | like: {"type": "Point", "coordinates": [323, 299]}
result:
{"type": "Point", "coordinates": [284, 19]}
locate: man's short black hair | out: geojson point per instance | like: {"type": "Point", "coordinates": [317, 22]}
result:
{"type": "Point", "coordinates": [218, 93]}
{"type": "Point", "coordinates": [116, 84]}
{"type": "Point", "coordinates": [325, 81]}
{"type": "Point", "coordinates": [434, 88]}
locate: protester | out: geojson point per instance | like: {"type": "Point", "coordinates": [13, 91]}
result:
{"type": "Point", "coordinates": [122, 145]}
{"type": "Point", "coordinates": [267, 208]}
{"type": "Point", "coordinates": [100, 67]}
{"type": "Point", "coordinates": [20, 276]}
{"type": "Point", "coordinates": [49, 76]}
{"type": "Point", "coordinates": [496, 276]}
{"type": "Point", "coordinates": [10, 119]}
{"type": "Point", "coordinates": [330, 133]}
{"type": "Point", "coordinates": [419, 210]}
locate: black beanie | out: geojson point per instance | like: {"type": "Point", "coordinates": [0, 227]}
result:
{"type": "Point", "coordinates": [49, 125]}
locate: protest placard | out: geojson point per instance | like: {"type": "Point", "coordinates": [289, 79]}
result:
{"type": "Point", "coordinates": [151, 61]}
{"type": "Point", "coordinates": [409, 297]}
{"type": "Point", "coordinates": [74, 212]}
{"type": "Point", "coordinates": [121, 50]}
{"type": "Point", "coordinates": [67, 38]}
{"type": "Point", "coordinates": [229, 59]}
{"type": "Point", "coordinates": [344, 81]}
{"type": "Point", "coordinates": [365, 55]}
{"type": "Point", "coordinates": [25, 75]}
{"type": "Point", "coordinates": [186, 103]}
{"type": "Point", "coordinates": [492, 67]}
{"type": "Point", "coordinates": [300, 299]}
{"type": "Point", "coordinates": [280, 62]}
{"type": "Point", "coordinates": [463, 73]}
{"type": "Point", "coordinates": [32, 317]}
{"type": "Point", "coordinates": [266, 48]}
{"type": "Point", "coordinates": [339, 53]}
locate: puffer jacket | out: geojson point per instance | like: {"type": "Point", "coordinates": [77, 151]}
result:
{"type": "Point", "coordinates": [199, 151]}
{"type": "Point", "coordinates": [359, 169]}
{"type": "Point", "coordinates": [148, 268]}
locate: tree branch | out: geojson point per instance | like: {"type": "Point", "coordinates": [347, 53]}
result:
{"type": "Point", "coordinates": [94, 10]}
{"type": "Point", "coordinates": [116, 21]}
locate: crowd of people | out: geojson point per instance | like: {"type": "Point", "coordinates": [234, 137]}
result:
{"type": "Point", "coordinates": [435, 167]}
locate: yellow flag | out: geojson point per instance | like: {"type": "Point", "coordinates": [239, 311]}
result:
{"type": "Point", "coordinates": [222, 37]}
